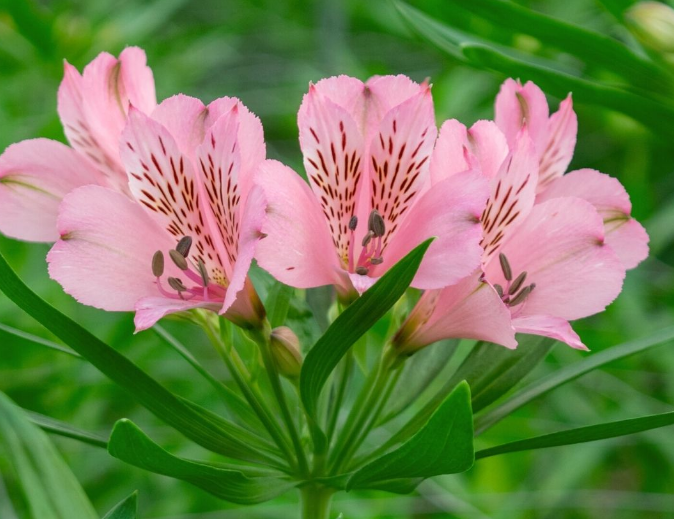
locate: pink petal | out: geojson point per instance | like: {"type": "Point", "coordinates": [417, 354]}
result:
{"type": "Point", "coordinates": [399, 161]}
{"type": "Point", "coordinates": [482, 147]}
{"type": "Point", "coordinates": [298, 249]}
{"type": "Point", "coordinates": [471, 309]}
{"type": "Point", "coordinates": [332, 147]}
{"type": "Point", "coordinates": [34, 176]}
{"type": "Point", "coordinates": [558, 151]}
{"type": "Point", "coordinates": [104, 256]}
{"type": "Point", "coordinates": [163, 181]}
{"type": "Point", "coordinates": [183, 117]}
{"type": "Point", "coordinates": [382, 94]}
{"type": "Point", "coordinates": [517, 104]}
{"type": "Point", "coordinates": [343, 91]}
{"type": "Point", "coordinates": [624, 234]}
{"type": "Point", "coordinates": [137, 79]}
{"type": "Point", "coordinates": [513, 191]}
{"type": "Point", "coordinates": [362, 283]}
{"type": "Point", "coordinates": [548, 326]}
{"type": "Point", "coordinates": [450, 211]}
{"type": "Point", "coordinates": [561, 247]}
{"type": "Point", "coordinates": [149, 310]}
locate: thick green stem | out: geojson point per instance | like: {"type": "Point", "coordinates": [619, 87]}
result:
{"type": "Point", "coordinates": [262, 337]}
{"type": "Point", "coordinates": [315, 501]}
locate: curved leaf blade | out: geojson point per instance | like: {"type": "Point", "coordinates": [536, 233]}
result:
{"type": "Point", "coordinates": [569, 373]}
{"type": "Point", "coordinates": [54, 426]}
{"type": "Point", "coordinates": [582, 434]}
{"type": "Point", "coordinates": [128, 443]}
{"type": "Point", "coordinates": [357, 319]}
{"type": "Point", "coordinates": [443, 446]}
{"type": "Point", "coordinates": [125, 509]}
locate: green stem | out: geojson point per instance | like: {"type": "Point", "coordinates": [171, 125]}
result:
{"type": "Point", "coordinates": [341, 390]}
{"type": "Point", "coordinates": [255, 401]}
{"type": "Point", "coordinates": [261, 337]}
{"type": "Point", "coordinates": [315, 500]}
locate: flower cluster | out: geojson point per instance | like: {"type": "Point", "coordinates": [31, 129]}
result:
{"type": "Point", "coordinates": [161, 208]}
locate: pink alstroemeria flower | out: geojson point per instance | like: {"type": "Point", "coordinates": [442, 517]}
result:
{"type": "Point", "coordinates": [186, 237]}
{"type": "Point", "coordinates": [369, 201]}
{"type": "Point", "coordinates": [546, 261]}
{"type": "Point", "coordinates": [36, 174]}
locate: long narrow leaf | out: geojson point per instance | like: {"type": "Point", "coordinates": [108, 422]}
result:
{"type": "Point", "coordinates": [569, 373]}
{"type": "Point", "coordinates": [128, 443]}
{"type": "Point", "coordinates": [207, 430]}
{"type": "Point", "coordinates": [582, 434]}
{"type": "Point", "coordinates": [357, 319]}
{"type": "Point", "coordinates": [38, 340]}
{"type": "Point", "coordinates": [54, 426]}
{"type": "Point", "coordinates": [125, 509]}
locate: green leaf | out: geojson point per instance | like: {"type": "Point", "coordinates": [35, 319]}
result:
{"type": "Point", "coordinates": [443, 446]}
{"type": "Point", "coordinates": [278, 303]}
{"type": "Point", "coordinates": [128, 443]}
{"type": "Point", "coordinates": [582, 434]}
{"type": "Point", "coordinates": [54, 426]}
{"type": "Point", "coordinates": [591, 47]}
{"type": "Point", "coordinates": [37, 340]}
{"type": "Point", "coordinates": [50, 488]}
{"type": "Point", "coordinates": [207, 430]}
{"type": "Point", "coordinates": [125, 509]}
{"type": "Point", "coordinates": [351, 324]}
{"type": "Point", "coordinates": [569, 373]}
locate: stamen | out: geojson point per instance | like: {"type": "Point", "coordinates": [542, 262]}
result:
{"type": "Point", "coordinates": [158, 264]}
{"type": "Point", "coordinates": [353, 223]}
{"type": "Point", "coordinates": [519, 281]}
{"type": "Point", "coordinates": [367, 239]}
{"type": "Point", "coordinates": [499, 289]}
{"type": "Point", "coordinates": [184, 246]}
{"type": "Point", "coordinates": [505, 267]}
{"type": "Point", "coordinates": [178, 259]}
{"type": "Point", "coordinates": [202, 271]}
{"type": "Point", "coordinates": [524, 293]}
{"type": "Point", "coordinates": [362, 270]}
{"type": "Point", "coordinates": [376, 261]}
{"type": "Point", "coordinates": [376, 224]}
{"type": "Point", "coordinates": [178, 286]}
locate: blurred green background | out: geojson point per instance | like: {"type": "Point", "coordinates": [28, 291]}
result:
{"type": "Point", "coordinates": [265, 52]}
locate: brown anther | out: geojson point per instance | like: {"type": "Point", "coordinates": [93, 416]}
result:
{"type": "Point", "coordinates": [519, 281]}
{"type": "Point", "coordinates": [376, 224]}
{"type": "Point", "coordinates": [505, 267]}
{"type": "Point", "coordinates": [353, 223]}
{"type": "Point", "coordinates": [184, 246]}
{"type": "Point", "coordinates": [158, 264]}
{"type": "Point", "coordinates": [178, 259]}
{"type": "Point", "coordinates": [523, 294]}
{"type": "Point", "coordinates": [202, 272]}
{"type": "Point", "coordinates": [367, 239]}
{"type": "Point", "coordinates": [176, 285]}
{"type": "Point", "coordinates": [362, 271]}
{"type": "Point", "coordinates": [376, 261]}
{"type": "Point", "coordinates": [499, 289]}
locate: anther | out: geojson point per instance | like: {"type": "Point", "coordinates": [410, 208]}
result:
{"type": "Point", "coordinates": [362, 270]}
{"type": "Point", "coordinates": [505, 267]}
{"type": "Point", "coordinates": [499, 289]}
{"type": "Point", "coordinates": [202, 272]}
{"type": "Point", "coordinates": [177, 285]}
{"type": "Point", "coordinates": [376, 224]}
{"type": "Point", "coordinates": [178, 259]}
{"type": "Point", "coordinates": [524, 293]}
{"type": "Point", "coordinates": [184, 246]}
{"type": "Point", "coordinates": [376, 261]}
{"type": "Point", "coordinates": [158, 264]}
{"type": "Point", "coordinates": [367, 239]}
{"type": "Point", "coordinates": [519, 281]}
{"type": "Point", "coordinates": [353, 223]}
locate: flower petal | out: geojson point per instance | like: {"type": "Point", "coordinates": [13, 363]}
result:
{"type": "Point", "coordinates": [104, 256]}
{"type": "Point", "coordinates": [516, 105]}
{"type": "Point", "coordinates": [382, 94]}
{"type": "Point", "coordinates": [297, 250]}
{"type": "Point", "coordinates": [471, 309]}
{"type": "Point", "coordinates": [149, 310]}
{"type": "Point", "coordinates": [549, 326]}
{"type": "Point", "coordinates": [345, 92]}
{"type": "Point", "coordinates": [34, 176]}
{"type": "Point", "coordinates": [450, 211]}
{"type": "Point", "coordinates": [561, 247]}
{"type": "Point", "coordinates": [561, 141]}
{"type": "Point", "coordinates": [183, 117]}
{"type": "Point", "coordinates": [624, 234]}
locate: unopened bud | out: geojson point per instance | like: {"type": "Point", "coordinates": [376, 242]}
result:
{"type": "Point", "coordinates": [285, 347]}
{"type": "Point", "coordinates": [653, 24]}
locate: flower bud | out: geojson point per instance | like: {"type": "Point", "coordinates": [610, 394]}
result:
{"type": "Point", "coordinates": [285, 347]}
{"type": "Point", "coordinates": [653, 25]}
